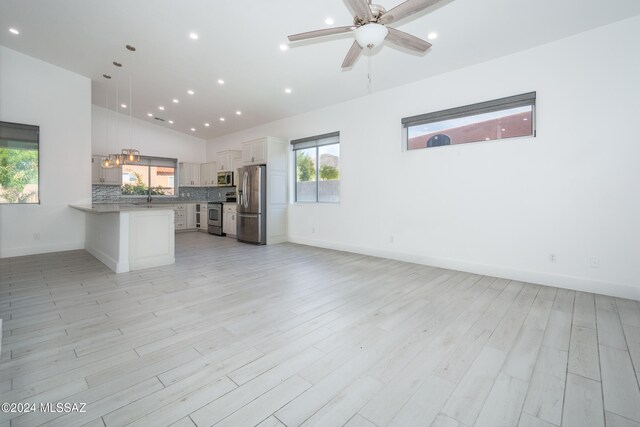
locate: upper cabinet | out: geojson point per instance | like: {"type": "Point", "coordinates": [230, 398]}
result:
{"type": "Point", "coordinates": [104, 176]}
{"type": "Point", "coordinates": [209, 174]}
{"type": "Point", "coordinates": [254, 152]}
{"type": "Point", "coordinates": [226, 160]}
{"type": "Point", "coordinates": [189, 174]}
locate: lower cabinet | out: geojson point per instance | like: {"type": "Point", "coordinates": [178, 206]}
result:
{"type": "Point", "coordinates": [180, 219]}
{"type": "Point", "coordinates": [229, 219]}
{"type": "Point", "coordinates": [190, 213]}
{"type": "Point", "coordinates": [185, 216]}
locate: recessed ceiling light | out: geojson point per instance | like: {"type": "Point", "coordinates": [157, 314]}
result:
{"type": "Point", "coordinates": [175, 101]}
{"type": "Point", "coordinates": [239, 113]}
{"type": "Point", "coordinates": [14, 31]}
{"type": "Point", "coordinates": [190, 92]}
{"type": "Point", "coordinates": [504, 130]}
{"type": "Point", "coordinates": [328, 21]}
{"type": "Point", "coordinates": [284, 47]}
{"type": "Point", "coordinates": [194, 36]}
{"type": "Point", "coordinates": [149, 114]}
{"type": "Point", "coordinates": [170, 122]}
{"type": "Point", "coordinates": [123, 105]}
{"type": "Point", "coordinates": [432, 36]}
{"type": "Point", "coordinates": [222, 119]}
{"type": "Point", "coordinates": [525, 119]}
{"type": "Point", "coordinates": [207, 125]}
{"type": "Point", "coordinates": [193, 129]}
{"type": "Point", "coordinates": [288, 90]}
{"type": "Point", "coordinates": [161, 108]}
{"type": "Point", "coordinates": [487, 139]}
{"type": "Point", "coordinates": [220, 81]}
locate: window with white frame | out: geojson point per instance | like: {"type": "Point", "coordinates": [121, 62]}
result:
{"type": "Point", "coordinates": [317, 168]}
{"type": "Point", "coordinates": [154, 176]}
{"type": "Point", "coordinates": [509, 117]}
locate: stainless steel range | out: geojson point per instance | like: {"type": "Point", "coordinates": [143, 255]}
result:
{"type": "Point", "coordinates": [214, 218]}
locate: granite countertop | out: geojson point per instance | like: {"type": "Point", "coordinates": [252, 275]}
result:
{"type": "Point", "coordinates": [99, 208]}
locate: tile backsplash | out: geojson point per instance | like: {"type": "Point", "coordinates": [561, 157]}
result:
{"type": "Point", "coordinates": [113, 194]}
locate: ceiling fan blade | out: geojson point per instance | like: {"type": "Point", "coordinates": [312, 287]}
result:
{"type": "Point", "coordinates": [321, 33]}
{"type": "Point", "coordinates": [407, 40]}
{"type": "Point", "coordinates": [361, 8]}
{"type": "Point", "coordinates": [352, 55]}
{"type": "Point", "coordinates": [405, 9]}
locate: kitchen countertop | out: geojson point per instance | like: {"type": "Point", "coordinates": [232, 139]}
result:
{"type": "Point", "coordinates": [99, 208]}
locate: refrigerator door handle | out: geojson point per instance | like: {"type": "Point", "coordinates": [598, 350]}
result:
{"type": "Point", "coordinates": [245, 180]}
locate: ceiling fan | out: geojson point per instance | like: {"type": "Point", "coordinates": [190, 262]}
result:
{"type": "Point", "coordinates": [370, 27]}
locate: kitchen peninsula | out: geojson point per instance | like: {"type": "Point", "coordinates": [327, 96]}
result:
{"type": "Point", "coordinates": [129, 237]}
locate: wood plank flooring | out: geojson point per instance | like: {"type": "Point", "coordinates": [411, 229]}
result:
{"type": "Point", "coordinates": [239, 335]}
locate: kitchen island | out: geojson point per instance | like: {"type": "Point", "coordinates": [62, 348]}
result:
{"type": "Point", "coordinates": [130, 237]}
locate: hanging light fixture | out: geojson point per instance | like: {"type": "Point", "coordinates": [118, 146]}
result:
{"type": "Point", "coordinates": [130, 155]}
{"type": "Point", "coordinates": [116, 160]}
{"type": "Point", "coordinates": [105, 161]}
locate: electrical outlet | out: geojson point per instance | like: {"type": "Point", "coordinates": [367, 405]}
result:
{"type": "Point", "coordinates": [391, 239]}
{"type": "Point", "coordinates": [552, 258]}
{"type": "Point", "coordinates": [36, 236]}
{"type": "Point", "coordinates": [594, 262]}
{"type": "Point", "coordinates": [313, 229]}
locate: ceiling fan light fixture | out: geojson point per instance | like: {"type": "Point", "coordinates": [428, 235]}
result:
{"type": "Point", "coordinates": [371, 35]}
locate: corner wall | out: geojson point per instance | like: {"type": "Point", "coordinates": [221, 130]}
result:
{"type": "Point", "coordinates": [498, 208]}
{"type": "Point", "coordinates": [59, 101]}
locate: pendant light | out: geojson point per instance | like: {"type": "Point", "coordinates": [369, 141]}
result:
{"type": "Point", "coordinates": [130, 155]}
{"type": "Point", "coordinates": [105, 161]}
{"type": "Point", "coordinates": [116, 159]}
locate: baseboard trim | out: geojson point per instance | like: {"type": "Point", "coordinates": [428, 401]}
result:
{"type": "Point", "coordinates": [117, 267]}
{"type": "Point", "coordinates": [620, 290]}
{"type": "Point", "coordinates": [44, 249]}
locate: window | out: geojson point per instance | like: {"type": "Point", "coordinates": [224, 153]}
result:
{"type": "Point", "coordinates": [153, 176]}
{"type": "Point", "coordinates": [317, 168]}
{"type": "Point", "coordinates": [19, 163]}
{"type": "Point", "coordinates": [498, 119]}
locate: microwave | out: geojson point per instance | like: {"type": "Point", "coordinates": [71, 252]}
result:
{"type": "Point", "coordinates": [225, 179]}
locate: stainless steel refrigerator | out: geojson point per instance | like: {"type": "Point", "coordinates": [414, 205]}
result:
{"type": "Point", "coordinates": [252, 202]}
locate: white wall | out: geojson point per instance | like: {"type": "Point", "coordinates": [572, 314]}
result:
{"type": "Point", "coordinates": [501, 207]}
{"type": "Point", "coordinates": [59, 101]}
{"type": "Point", "coordinates": [149, 138]}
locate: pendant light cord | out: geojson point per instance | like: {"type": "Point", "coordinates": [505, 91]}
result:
{"type": "Point", "coordinates": [130, 101]}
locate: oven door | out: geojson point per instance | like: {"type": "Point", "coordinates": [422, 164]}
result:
{"type": "Point", "coordinates": [215, 216]}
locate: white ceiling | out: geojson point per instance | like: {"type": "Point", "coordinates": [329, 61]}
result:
{"type": "Point", "coordinates": [239, 42]}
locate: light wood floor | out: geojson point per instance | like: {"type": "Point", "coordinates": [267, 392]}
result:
{"type": "Point", "coordinates": [239, 335]}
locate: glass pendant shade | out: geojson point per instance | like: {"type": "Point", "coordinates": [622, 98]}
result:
{"type": "Point", "coordinates": [131, 155]}
{"type": "Point", "coordinates": [371, 35]}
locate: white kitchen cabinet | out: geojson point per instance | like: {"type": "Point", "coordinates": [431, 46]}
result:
{"type": "Point", "coordinates": [226, 158]}
{"type": "Point", "coordinates": [229, 219]}
{"type": "Point", "coordinates": [180, 217]}
{"type": "Point", "coordinates": [189, 174]}
{"type": "Point", "coordinates": [254, 152]}
{"type": "Point", "coordinates": [209, 174]}
{"type": "Point", "coordinates": [104, 176]}
{"type": "Point", "coordinates": [190, 215]}
{"type": "Point", "coordinates": [237, 164]}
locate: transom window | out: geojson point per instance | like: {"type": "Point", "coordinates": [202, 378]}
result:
{"type": "Point", "coordinates": [486, 121]}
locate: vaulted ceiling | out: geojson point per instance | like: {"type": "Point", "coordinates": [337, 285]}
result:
{"type": "Point", "coordinates": [239, 42]}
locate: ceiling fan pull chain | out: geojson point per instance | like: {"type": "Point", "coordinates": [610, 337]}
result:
{"type": "Point", "coordinates": [369, 78]}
